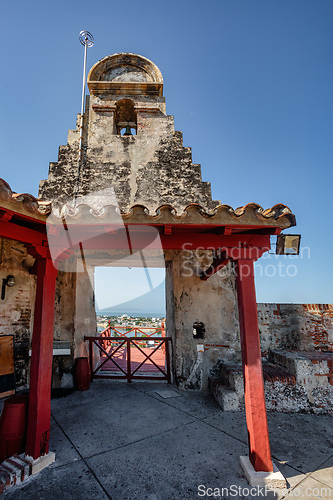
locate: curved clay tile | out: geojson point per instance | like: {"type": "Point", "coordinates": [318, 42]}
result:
{"type": "Point", "coordinates": [23, 202]}
{"type": "Point", "coordinates": [249, 215]}
{"type": "Point", "coordinates": [29, 201]}
{"type": "Point", "coordinates": [5, 191]}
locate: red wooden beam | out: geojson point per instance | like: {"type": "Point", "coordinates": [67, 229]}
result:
{"type": "Point", "coordinates": [38, 251]}
{"type": "Point", "coordinates": [218, 263]}
{"type": "Point", "coordinates": [134, 241]}
{"type": "Point", "coordinates": [39, 413]}
{"type": "Point", "coordinates": [255, 408]}
{"type": "Point", "coordinates": [5, 216]}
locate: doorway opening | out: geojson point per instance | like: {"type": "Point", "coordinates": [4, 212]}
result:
{"type": "Point", "coordinates": [131, 335]}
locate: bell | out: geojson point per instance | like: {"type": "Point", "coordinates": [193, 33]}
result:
{"type": "Point", "coordinates": [128, 131]}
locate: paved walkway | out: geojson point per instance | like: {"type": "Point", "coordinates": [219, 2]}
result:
{"type": "Point", "coordinates": [125, 441]}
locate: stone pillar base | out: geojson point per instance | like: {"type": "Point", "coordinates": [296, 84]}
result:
{"type": "Point", "coordinates": [273, 479]}
{"type": "Point", "coordinates": [40, 463]}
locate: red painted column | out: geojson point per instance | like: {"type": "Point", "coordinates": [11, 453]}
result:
{"type": "Point", "coordinates": [39, 413]}
{"type": "Point", "coordinates": [255, 407]}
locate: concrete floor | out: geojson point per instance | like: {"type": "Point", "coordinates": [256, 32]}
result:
{"type": "Point", "coordinates": [124, 441]}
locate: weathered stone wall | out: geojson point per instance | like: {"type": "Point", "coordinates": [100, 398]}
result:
{"type": "Point", "coordinates": [151, 168]}
{"type": "Point", "coordinates": [75, 317]}
{"type": "Point", "coordinates": [17, 313]}
{"type": "Point", "coordinates": [302, 327]}
{"type": "Point", "coordinates": [64, 317]}
{"type": "Point", "coordinates": [17, 309]}
{"type": "Point", "coordinates": [297, 348]}
{"type": "Point", "coordinates": [85, 315]}
{"type": "Point", "coordinates": [291, 327]}
{"type": "Point", "coordinates": [191, 300]}
{"type": "Point", "coordinates": [301, 381]}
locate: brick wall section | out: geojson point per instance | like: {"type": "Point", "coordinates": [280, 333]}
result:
{"type": "Point", "coordinates": [16, 310]}
{"type": "Point", "coordinates": [303, 327]}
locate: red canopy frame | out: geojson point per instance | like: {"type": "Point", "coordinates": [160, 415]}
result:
{"type": "Point", "coordinates": [241, 244]}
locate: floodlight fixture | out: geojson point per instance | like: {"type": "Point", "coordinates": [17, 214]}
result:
{"type": "Point", "coordinates": [288, 244]}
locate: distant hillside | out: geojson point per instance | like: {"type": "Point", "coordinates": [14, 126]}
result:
{"type": "Point", "coordinates": [149, 304]}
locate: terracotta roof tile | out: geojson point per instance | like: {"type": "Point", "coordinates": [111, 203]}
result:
{"type": "Point", "coordinates": [251, 214]}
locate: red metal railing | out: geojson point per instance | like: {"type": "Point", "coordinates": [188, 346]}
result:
{"type": "Point", "coordinates": [107, 331]}
{"type": "Point", "coordinates": [111, 347]}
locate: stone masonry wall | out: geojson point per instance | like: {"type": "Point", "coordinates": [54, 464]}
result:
{"type": "Point", "coordinates": [212, 303]}
{"type": "Point", "coordinates": [64, 317]}
{"type": "Point", "coordinates": [302, 327]}
{"type": "Point", "coordinates": [17, 309]}
{"type": "Point", "coordinates": [150, 168]}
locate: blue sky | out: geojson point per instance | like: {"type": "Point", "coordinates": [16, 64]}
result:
{"type": "Point", "coordinates": [248, 81]}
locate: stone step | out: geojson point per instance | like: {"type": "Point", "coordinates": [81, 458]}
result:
{"type": "Point", "coordinates": [226, 397]}
{"type": "Point", "coordinates": [231, 375]}
{"type": "Point", "coordinates": [298, 383]}
{"type": "Point", "coordinates": [310, 368]}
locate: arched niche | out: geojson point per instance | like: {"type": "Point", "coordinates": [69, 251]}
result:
{"type": "Point", "coordinates": [125, 74]}
{"type": "Point", "coordinates": [125, 116]}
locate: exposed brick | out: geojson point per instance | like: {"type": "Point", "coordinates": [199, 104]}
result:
{"type": "Point", "coordinates": [10, 472]}
{"type": "Point", "coordinates": [2, 485]}
{"type": "Point", "coordinates": [5, 476]}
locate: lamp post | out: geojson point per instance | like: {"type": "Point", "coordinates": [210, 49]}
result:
{"type": "Point", "coordinates": [87, 40]}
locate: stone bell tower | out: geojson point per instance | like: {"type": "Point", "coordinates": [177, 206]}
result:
{"type": "Point", "coordinates": [149, 167]}
{"type": "Point", "coordinates": [132, 155]}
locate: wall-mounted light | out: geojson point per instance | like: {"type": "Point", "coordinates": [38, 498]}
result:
{"type": "Point", "coordinates": [9, 281]}
{"type": "Point", "coordinates": [288, 244]}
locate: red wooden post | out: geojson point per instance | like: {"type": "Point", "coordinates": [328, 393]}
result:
{"type": "Point", "coordinates": [163, 333]}
{"type": "Point", "coordinates": [91, 359]}
{"type": "Point", "coordinates": [129, 367]}
{"type": "Point", "coordinates": [255, 407]}
{"type": "Point", "coordinates": [39, 413]}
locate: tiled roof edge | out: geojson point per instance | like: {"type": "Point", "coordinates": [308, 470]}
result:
{"type": "Point", "coordinates": [251, 214]}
